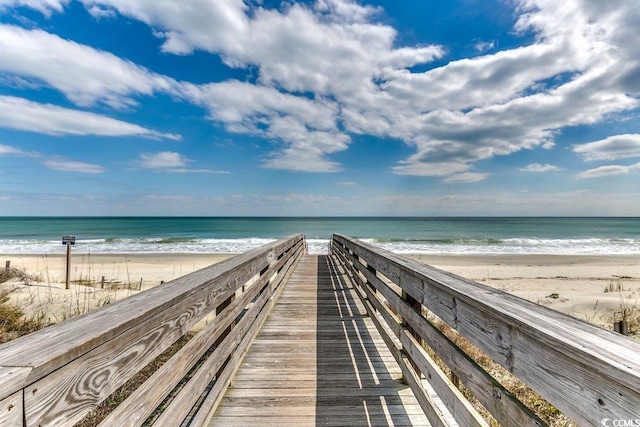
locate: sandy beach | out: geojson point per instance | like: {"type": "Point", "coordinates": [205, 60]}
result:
{"type": "Point", "coordinates": [574, 285]}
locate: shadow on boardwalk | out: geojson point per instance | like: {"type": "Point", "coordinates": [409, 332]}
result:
{"type": "Point", "coordinates": [358, 381]}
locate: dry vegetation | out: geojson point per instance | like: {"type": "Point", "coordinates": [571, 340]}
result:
{"type": "Point", "coordinates": [532, 400]}
{"type": "Point", "coordinates": [13, 323]}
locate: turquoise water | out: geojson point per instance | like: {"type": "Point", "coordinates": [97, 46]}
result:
{"type": "Point", "coordinates": [402, 235]}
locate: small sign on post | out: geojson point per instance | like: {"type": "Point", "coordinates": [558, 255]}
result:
{"type": "Point", "coordinates": [68, 241]}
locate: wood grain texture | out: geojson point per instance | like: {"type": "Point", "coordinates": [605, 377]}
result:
{"type": "Point", "coordinates": [210, 404]}
{"type": "Point", "coordinates": [441, 402]}
{"type": "Point", "coordinates": [587, 372]}
{"type": "Point", "coordinates": [11, 410]}
{"type": "Point", "coordinates": [69, 368]}
{"type": "Point", "coordinates": [318, 361]}
{"type": "Point", "coordinates": [11, 379]}
{"type": "Point", "coordinates": [505, 407]}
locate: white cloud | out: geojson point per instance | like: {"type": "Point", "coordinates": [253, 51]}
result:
{"type": "Point", "coordinates": [8, 150]}
{"type": "Point", "coordinates": [163, 160]}
{"type": "Point", "coordinates": [101, 13]}
{"type": "Point", "coordinates": [46, 7]}
{"type": "Point", "coordinates": [85, 75]}
{"type": "Point", "coordinates": [539, 168]}
{"type": "Point", "coordinates": [464, 178]}
{"type": "Point", "coordinates": [582, 67]}
{"type": "Point", "coordinates": [484, 46]}
{"type": "Point", "coordinates": [25, 115]}
{"type": "Point", "coordinates": [611, 170]}
{"type": "Point", "coordinates": [64, 165]}
{"type": "Point", "coordinates": [168, 161]}
{"type": "Point", "coordinates": [611, 148]}
{"type": "Point", "coordinates": [202, 24]}
{"type": "Point", "coordinates": [307, 127]}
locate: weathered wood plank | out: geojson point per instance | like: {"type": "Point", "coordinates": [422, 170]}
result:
{"type": "Point", "coordinates": [587, 372]}
{"type": "Point", "coordinates": [456, 403]}
{"type": "Point", "coordinates": [212, 400]}
{"type": "Point", "coordinates": [64, 371]}
{"type": "Point", "coordinates": [505, 407]}
{"type": "Point", "coordinates": [11, 410]}
{"type": "Point", "coordinates": [317, 356]}
{"type": "Point", "coordinates": [11, 379]}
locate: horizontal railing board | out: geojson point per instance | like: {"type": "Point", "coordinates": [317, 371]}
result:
{"type": "Point", "coordinates": [141, 403]}
{"type": "Point", "coordinates": [505, 407]}
{"type": "Point", "coordinates": [11, 379]}
{"type": "Point", "coordinates": [232, 348]}
{"type": "Point", "coordinates": [555, 354]}
{"type": "Point", "coordinates": [50, 348]}
{"type": "Point", "coordinates": [65, 380]}
{"type": "Point", "coordinates": [453, 400]}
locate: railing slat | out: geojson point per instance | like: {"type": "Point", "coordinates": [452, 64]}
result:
{"type": "Point", "coordinates": [141, 403]}
{"type": "Point", "coordinates": [453, 400]}
{"type": "Point", "coordinates": [505, 407]}
{"type": "Point", "coordinates": [212, 401]}
{"type": "Point", "coordinates": [69, 368]}
{"type": "Point", "coordinates": [587, 372]}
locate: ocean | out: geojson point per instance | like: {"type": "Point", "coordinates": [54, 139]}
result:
{"type": "Point", "coordinates": [447, 236]}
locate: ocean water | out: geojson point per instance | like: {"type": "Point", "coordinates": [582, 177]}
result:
{"type": "Point", "coordinates": [570, 236]}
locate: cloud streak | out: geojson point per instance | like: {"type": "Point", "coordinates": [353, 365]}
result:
{"type": "Point", "coordinates": [170, 162]}
{"type": "Point", "coordinates": [64, 165]}
{"type": "Point", "coordinates": [612, 148]}
{"type": "Point", "coordinates": [22, 114]}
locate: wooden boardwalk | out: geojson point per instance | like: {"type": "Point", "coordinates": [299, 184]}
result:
{"type": "Point", "coordinates": [318, 362]}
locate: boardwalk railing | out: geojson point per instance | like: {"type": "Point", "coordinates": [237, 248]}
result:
{"type": "Point", "coordinates": [57, 375]}
{"type": "Point", "coordinates": [590, 374]}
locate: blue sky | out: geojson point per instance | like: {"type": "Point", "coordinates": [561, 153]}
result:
{"type": "Point", "coordinates": [326, 107]}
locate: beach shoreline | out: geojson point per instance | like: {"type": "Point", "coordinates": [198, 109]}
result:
{"type": "Point", "coordinates": [572, 284]}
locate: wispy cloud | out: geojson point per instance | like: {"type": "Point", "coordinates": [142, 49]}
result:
{"type": "Point", "coordinates": [171, 162]}
{"type": "Point", "coordinates": [25, 115]}
{"type": "Point", "coordinates": [611, 170]}
{"type": "Point", "coordinates": [65, 165]}
{"type": "Point", "coordinates": [465, 178]}
{"type": "Point", "coordinates": [482, 47]}
{"type": "Point", "coordinates": [84, 74]}
{"type": "Point", "coordinates": [46, 7]}
{"type": "Point", "coordinates": [8, 150]}
{"type": "Point", "coordinates": [540, 168]}
{"type": "Point", "coordinates": [612, 148]}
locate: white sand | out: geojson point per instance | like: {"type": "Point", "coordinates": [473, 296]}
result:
{"type": "Point", "coordinates": [44, 296]}
{"type": "Point", "coordinates": [578, 281]}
